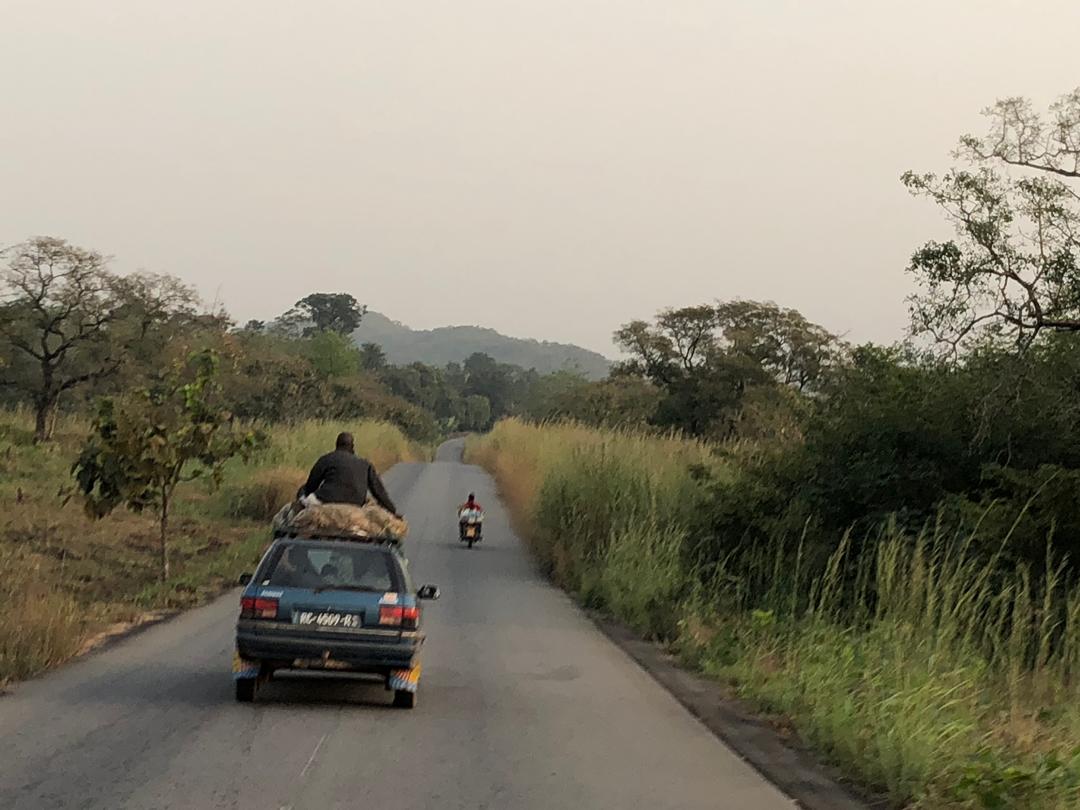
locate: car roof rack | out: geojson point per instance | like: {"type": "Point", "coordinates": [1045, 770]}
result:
{"type": "Point", "coordinates": [293, 534]}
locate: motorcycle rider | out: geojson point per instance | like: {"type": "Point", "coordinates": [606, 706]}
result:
{"type": "Point", "coordinates": [470, 505]}
{"type": "Point", "coordinates": [344, 477]}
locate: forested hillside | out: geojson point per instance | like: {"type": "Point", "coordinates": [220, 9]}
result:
{"type": "Point", "coordinates": [455, 344]}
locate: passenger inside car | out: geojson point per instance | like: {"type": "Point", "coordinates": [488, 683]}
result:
{"type": "Point", "coordinates": [295, 570]}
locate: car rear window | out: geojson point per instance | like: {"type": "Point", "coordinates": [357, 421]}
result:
{"type": "Point", "coordinates": [304, 564]}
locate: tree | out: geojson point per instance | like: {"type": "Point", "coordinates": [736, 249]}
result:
{"type": "Point", "coordinates": [1012, 271]}
{"type": "Point", "coordinates": [418, 383]}
{"type": "Point", "coordinates": [492, 380]}
{"type": "Point", "coordinates": [158, 322]}
{"type": "Point", "coordinates": [324, 312]}
{"type": "Point", "coordinates": [373, 358]}
{"type": "Point", "coordinates": [477, 414]}
{"type": "Point", "coordinates": [782, 341]}
{"type": "Point", "coordinates": [705, 358]}
{"type": "Point", "coordinates": [623, 401]}
{"type": "Point", "coordinates": [1020, 137]}
{"type": "Point", "coordinates": [61, 311]}
{"type": "Point", "coordinates": [144, 446]}
{"type": "Point", "coordinates": [333, 355]}
{"type": "Point", "coordinates": [680, 343]}
{"type": "Point", "coordinates": [267, 378]}
{"type": "Point", "coordinates": [549, 397]}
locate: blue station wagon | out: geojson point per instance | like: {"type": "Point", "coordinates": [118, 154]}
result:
{"type": "Point", "coordinates": [331, 604]}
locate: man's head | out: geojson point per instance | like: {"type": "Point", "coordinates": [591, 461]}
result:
{"type": "Point", "coordinates": [345, 442]}
{"type": "Point", "coordinates": [472, 498]}
{"type": "Point", "coordinates": [297, 558]}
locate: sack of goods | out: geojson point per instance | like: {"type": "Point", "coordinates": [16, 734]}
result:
{"type": "Point", "coordinates": [312, 517]}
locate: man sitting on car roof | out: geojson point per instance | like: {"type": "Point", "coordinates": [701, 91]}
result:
{"type": "Point", "coordinates": [344, 477]}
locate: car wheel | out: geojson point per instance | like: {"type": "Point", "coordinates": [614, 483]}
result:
{"type": "Point", "coordinates": [403, 699]}
{"type": "Point", "coordinates": [245, 690]}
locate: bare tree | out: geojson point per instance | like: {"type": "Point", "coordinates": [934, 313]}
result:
{"type": "Point", "coordinates": [1020, 137]}
{"type": "Point", "coordinates": [1013, 269]}
{"type": "Point", "coordinates": [65, 320]}
{"type": "Point", "coordinates": [57, 303]}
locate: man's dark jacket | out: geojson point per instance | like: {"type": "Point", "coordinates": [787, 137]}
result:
{"type": "Point", "coordinates": [343, 477]}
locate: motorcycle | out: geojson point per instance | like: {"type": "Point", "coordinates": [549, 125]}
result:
{"type": "Point", "coordinates": [470, 524]}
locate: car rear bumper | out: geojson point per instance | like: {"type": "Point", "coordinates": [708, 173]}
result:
{"type": "Point", "coordinates": [283, 645]}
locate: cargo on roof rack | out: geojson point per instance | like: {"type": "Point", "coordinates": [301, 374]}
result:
{"type": "Point", "coordinates": [301, 534]}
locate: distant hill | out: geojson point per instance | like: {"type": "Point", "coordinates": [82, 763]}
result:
{"type": "Point", "coordinates": [453, 344]}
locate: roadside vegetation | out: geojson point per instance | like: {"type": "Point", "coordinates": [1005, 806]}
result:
{"type": "Point", "coordinates": [146, 440]}
{"type": "Point", "coordinates": [879, 545]}
{"type": "Point", "coordinates": [924, 668]}
{"type": "Point", "coordinates": [66, 578]}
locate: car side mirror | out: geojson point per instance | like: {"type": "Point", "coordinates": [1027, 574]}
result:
{"type": "Point", "coordinates": [244, 579]}
{"type": "Point", "coordinates": [428, 592]}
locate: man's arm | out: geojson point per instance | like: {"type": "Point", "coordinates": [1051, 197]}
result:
{"type": "Point", "coordinates": [315, 478]}
{"type": "Point", "coordinates": [378, 491]}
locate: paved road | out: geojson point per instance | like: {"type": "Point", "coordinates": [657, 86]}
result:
{"type": "Point", "coordinates": [523, 704]}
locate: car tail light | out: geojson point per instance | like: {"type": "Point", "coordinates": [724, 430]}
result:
{"type": "Point", "coordinates": [256, 607]}
{"type": "Point", "coordinates": [398, 616]}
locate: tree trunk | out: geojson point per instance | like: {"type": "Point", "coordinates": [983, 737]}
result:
{"type": "Point", "coordinates": [45, 405]}
{"type": "Point", "coordinates": [53, 418]}
{"type": "Point", "coordinates": [41, 420]}
{"type": "Point", "coordinates": [164, 534]}
{"type": "Point", "coordinates": [45, 411]}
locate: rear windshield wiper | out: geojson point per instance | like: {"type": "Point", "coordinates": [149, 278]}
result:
{"type": "Point", "coordinates": [360, 588]}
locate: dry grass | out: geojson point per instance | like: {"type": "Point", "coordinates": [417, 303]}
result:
{"type": "Point", "coordinates": [263, 494]}
{"type": "Point", "coordinates": [565, 482]}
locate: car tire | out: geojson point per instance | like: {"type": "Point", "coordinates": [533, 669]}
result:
{"type": "Point", "coordinates": [245, 690]}
{"type": "Point", "coordinates": [404, 699]}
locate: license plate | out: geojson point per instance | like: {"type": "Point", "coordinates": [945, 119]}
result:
{"type": "Point", "coordinates": [320, 663]}
{"type": "Point", "coordinates": [322, 618]}
{"type": "Point", "coordinates": [470, 532]}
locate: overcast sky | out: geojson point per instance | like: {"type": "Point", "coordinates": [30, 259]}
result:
{"type": "Point", "coordinates": [550, 168]}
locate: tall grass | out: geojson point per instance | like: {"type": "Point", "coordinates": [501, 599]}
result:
{"type": "Point", "coordinates": [922, 669]}
{"type": "Point", "coordinates": [606, 510]}
{"type": "Point", "coordinates": [43, 627]}
{"type": "Point", "coordinates": [65, 577]}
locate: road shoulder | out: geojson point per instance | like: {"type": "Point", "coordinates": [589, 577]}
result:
{"type": "Point", "coordinates": [794, 771]}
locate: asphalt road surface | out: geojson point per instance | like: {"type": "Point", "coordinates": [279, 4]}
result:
{"type": "Point", "coordinates": [522, 704]}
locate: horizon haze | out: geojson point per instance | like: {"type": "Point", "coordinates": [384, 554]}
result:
{"type": "Point", "coordinates": [550, 170]}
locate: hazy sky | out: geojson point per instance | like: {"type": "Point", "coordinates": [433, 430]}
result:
{"type": "Point", "coordinates": [551, 168]}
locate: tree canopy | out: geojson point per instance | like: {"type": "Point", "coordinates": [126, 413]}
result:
{"type": "Point", "coordinates": [66, 320]}
{"type": "Point", "coordinates": [1012, 271]}
{"type": "Point", "coordinates": [325, 312]}
{"type": "Point", "coordinates": [704, 359]}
